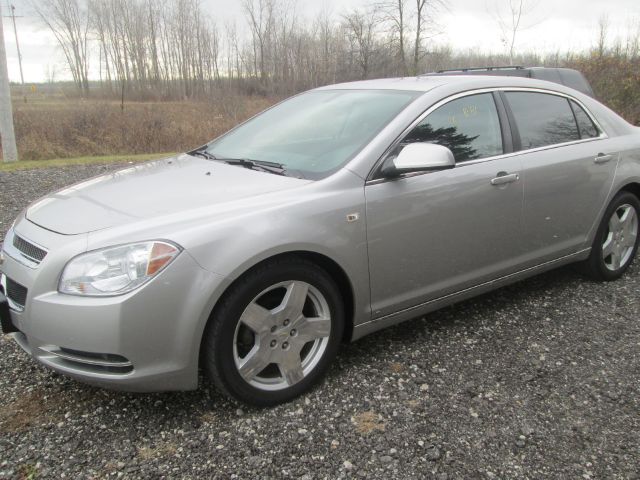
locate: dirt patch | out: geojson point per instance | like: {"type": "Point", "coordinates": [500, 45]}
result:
{"type": "Point", "coordinates": [159, 451]}
{"type": "Point", "coordinates": [396, 367]}
{"type": "Point", "coordinates": [28, 472]}
{"type": "Point", "coordinates": [368, 422]}
{"type": "Point", "coordinates": [32, 409]}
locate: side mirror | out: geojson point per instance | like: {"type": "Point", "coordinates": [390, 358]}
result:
{"type": "Point", "coordinates": [419, 157]}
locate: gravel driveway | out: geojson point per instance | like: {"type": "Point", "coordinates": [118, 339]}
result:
{"type": "Point", "coordinates": [537, 380]}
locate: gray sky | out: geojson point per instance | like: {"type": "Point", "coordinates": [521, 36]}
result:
{"type": "Point", "coordinates": [556, 25]}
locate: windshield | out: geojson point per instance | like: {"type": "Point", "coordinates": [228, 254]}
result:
{"type": "Point", "coordinates": [315, 133]}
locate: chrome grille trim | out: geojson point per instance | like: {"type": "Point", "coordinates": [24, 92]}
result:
{"type": "Point", "coordinates": [21, 250]}
{"type": "Point", "coordinates": [92, 360]}
{"type": "Point", "coordinates": [29, 249]}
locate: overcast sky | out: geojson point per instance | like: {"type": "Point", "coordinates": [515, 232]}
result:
{"type": "Point", "coordinates": [556, 25]}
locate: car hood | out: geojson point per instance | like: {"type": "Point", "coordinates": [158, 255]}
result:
{"type": "Point", "coordinates": [152, 189]}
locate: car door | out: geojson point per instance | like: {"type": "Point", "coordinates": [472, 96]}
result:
{"type": "Point", "coordinates": [430, 234]}
{"type": "Point", "coordinates": [567, 171]}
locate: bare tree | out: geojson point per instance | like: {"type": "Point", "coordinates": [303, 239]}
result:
{"type": "Point", "coordinates": [603, 33]}
{"type": "Point", "coordinates": [50, 73]}
{"type": "Point", "coordinates": [632, 42]}
{"type": "Point", "coordinates": [68, 20]}
{"type": "Point", "coordinates": [231, 45]}
{"type": "Point", "coordinates": [361, 29]}
{"type": "Point", "coordinates": [172, 49]}
{"type": "Point", "coordinates": [510, 19]}
{"type": "Point", "coordinates": [394, 13]}
{"type": "Point", "coordinates": [260, 15]}
{"type": "Point", "coordinates": [425, 14]}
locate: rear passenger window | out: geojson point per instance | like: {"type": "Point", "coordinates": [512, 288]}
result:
{"type": "Point", "coordinates": [586, 127]}
{"type": "Point", "coordinates": [468, 126]}
{"type": "Point", "coordinates": [542, 119]}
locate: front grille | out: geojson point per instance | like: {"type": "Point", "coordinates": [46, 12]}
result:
{"type": "Point", "coordinates": [28, 249]}
{"type": "Point", "coordinates": [16, 293]}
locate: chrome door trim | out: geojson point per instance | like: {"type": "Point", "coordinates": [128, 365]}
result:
{"type": "Point", "coordinates": [373, 181]}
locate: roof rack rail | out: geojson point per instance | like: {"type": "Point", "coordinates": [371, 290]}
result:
{"type": "Point", "coordinates": [563, 76]}
{"type": "Point", "coordinates": [477, 69]}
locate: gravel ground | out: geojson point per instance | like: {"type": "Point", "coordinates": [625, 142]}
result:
{"type": "Point", "coordinates": [537, 380]}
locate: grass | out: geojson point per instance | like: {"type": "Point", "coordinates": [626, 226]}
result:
{"type": "Point", "coordinates": [63, 162]}
{"type": "Point", "coordinates": [54, 127]}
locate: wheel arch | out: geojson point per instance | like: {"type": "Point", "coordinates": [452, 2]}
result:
{"type": "Point", "coordinates": [595, 265]}
{"type": "Point", "coordinates": [339, 275]}
{"type": "Point", "coordinates": [633, 187]}
{"type": "Point", "coordinates": [331, 266]}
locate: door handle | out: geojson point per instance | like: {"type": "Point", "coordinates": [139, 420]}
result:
{"type": "Point", "coordinates": [504, 178]}
{"type": "Point", "coordinates": [602, 158]}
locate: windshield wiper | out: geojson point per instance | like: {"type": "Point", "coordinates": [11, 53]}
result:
{"type": "Point", "coordinates": [262, 165]}
{"type": "Point", "coordinates": [202, 152]}
{"type": "Point", "coordinates": [271, 167]}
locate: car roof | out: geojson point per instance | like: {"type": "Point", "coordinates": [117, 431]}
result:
{"type": "Point", "coordinates": [458, 82]}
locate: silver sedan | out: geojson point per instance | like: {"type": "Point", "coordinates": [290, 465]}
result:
{"type": "Point", "coordinates": [334, 214]}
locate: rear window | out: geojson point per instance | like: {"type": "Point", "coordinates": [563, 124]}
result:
{"type": "Point", "coordinates": [542, 119]}
{"type": "Point", "coordinates": [586, 127]}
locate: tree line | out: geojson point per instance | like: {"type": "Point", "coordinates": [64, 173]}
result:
{"type": "Point", "coordinates": [173, 49]}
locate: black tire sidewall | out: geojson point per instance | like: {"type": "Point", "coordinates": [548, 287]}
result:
{"type": "Point", "coordinates": [596, 260]}
{"type": "Point", "coordinates": [220, 337]}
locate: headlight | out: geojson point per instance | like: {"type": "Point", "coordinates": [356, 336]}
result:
{"type": "Point", "coordinates": [116, 270]}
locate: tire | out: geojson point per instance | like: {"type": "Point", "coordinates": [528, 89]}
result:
{"type": "Point", "coordinates": [274, 333]}
{"type": "Point", "coordinates": [616, 241]}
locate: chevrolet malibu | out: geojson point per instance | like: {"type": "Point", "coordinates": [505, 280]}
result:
{"type": "Point", "coordinates": [334, 214]}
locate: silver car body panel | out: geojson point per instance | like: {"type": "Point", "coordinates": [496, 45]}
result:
{"type": "Point", "coordinates": [443, 213]}
{"type": "Point", "coordinates": [159, 191]}
{"type": "Point", "coordinates": [407, 246]}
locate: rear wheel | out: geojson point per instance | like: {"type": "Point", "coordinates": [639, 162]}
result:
{"type": "Point", "coordinates": [274, 333]}
{"type": "Point", "coordinates": [616, 240]}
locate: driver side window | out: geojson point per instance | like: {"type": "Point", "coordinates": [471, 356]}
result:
{"type": "Point", "coordinates": [468, 126]}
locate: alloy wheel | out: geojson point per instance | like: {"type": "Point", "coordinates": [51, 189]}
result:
{"type": "Point", "coordinates": [620, 238]}
{"type": "Point", "coordinates": [282, 335]}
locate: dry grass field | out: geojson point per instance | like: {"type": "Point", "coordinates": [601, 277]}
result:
{"type": "Point", "coordinates": [51, 125]}
{"type": "Point", "coordinates": [54, 122]}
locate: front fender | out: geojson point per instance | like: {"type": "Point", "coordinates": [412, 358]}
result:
{"type": "Point", "coordinates": [318, 227]}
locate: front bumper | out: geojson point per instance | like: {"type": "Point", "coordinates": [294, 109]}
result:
{"type": "Point", "coordinates": [146, 340]}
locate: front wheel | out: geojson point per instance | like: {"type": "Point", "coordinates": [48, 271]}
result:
{"type": "Point", "coordinates": [616, 241]}
{"type": "Point", "coordinates": [274, 333]}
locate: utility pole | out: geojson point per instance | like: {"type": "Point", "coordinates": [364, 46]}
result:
{"type": "Point", "coordinates": [9, 150]}
{"type": "Point", "coordinates": [15, 32]}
